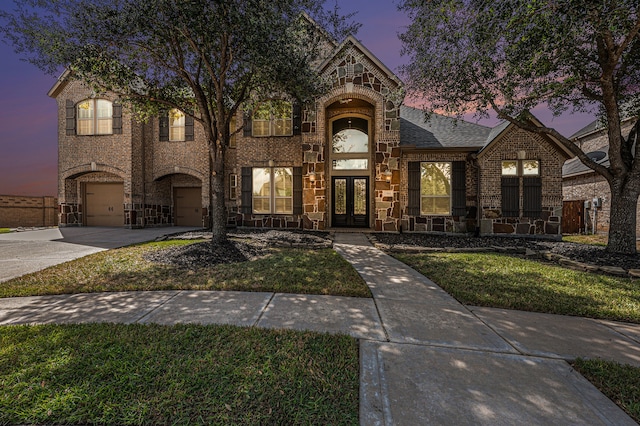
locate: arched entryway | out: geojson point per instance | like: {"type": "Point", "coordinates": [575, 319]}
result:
{"type": "Point", "coordinates": [350, 171]}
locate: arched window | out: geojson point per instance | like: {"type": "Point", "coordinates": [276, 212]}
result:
{"type": "Point", "coordinates": [94, 117]}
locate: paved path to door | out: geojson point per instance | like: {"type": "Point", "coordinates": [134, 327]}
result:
{"type": "Point", "coordinates": [31, 251]}
{"type": "Point", "coordinates": [425, 358]}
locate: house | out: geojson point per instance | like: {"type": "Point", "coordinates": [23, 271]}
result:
{"type": "Point", "coordinates": [357, 158]}
{"type": "Point", "coordinates": [586, 194]}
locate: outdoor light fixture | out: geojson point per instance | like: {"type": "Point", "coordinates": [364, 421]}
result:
{"type": "Point", "coordinates": [387, 175]}
{"type": "Point", "coordinates": [271, 163]}
{"type": "Point", "coordinates": [312, 173]}
{"type": "Point", "coordinates": [522, 155]}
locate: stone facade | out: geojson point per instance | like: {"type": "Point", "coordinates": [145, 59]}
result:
{"type": "Point", "coordinates": [17, 211]}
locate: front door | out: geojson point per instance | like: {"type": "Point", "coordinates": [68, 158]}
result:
{"type": "Point", "coordinates": [350, 207]}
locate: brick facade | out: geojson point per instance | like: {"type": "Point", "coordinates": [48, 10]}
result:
{"type": "Point", "coordinates": [151, 170]}
{"type": "Point", "coordinates": [588, 185]}
{"type": "Point", "coordinates": [535, 147]}
{"type": "Point", "coordinates": [26, 211]}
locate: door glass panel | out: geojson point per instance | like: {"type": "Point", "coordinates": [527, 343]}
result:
{"type": "Point", "coordinates": [340, 195]}
{"type": "Point", "coordinates": [353, 164]}
{"type": "Point", "coordinates": [360, 196]}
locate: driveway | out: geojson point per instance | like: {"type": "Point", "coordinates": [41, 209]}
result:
{"type": "Point", "coordinates": [30, 251]}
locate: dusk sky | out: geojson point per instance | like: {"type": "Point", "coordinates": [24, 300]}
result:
{"type": "Point", "coordinates": [28, 146]}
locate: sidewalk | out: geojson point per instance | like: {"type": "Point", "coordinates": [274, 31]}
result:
{"type": "Point", "coordinates": [425, 358]}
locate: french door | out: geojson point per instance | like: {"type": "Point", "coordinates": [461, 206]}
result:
{"type": "Point", "coordinates": [350, 204]}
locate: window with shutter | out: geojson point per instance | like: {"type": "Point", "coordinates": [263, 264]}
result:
{"type": "Point", "coordinates": [458, 189]}
{"type": "Point", "coordinates": [246, 190]}
{"type": "Point", "coordinates": [297, 190]}
{"type": "Point", "coordinates": [413, 206]}
{"type": "Point", "coordinates": [117, 119]}
{"type": "Point", "coordinates": [70, 118]}
{"type": "Point", "coordinates": [510, 197]}
{"type": "Point", "coordinates": [189, 134]}
{"type": "Point", "coordinates": [163, 126]}
{"type": "Point", "coordinates": [531, 197]}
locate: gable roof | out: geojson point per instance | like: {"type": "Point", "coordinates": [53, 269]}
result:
{"type": "Point", "coordinates": [506, 126]}
{"type": "Point", "coordinates": [439, 131]}
{"type": "Point", "coordinates": [353, 41]}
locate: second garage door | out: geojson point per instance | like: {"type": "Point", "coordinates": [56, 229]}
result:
{"type": "Point", "coordinates": [188, 206]}
{"type": "Point", "coordinates": [104, 204]}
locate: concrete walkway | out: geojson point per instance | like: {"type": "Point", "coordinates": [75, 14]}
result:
{"type": "Point", "coordinates": [425, 358]}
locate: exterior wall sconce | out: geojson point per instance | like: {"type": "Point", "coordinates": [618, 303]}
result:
{"type": "Point", "coordinates": [271, 163]}
{"type": "Point", "coordinates": [387, 175]}
{"type": "Point", "coordinates": [522, 155]}
{"type": "Point", "coordinates": [312, 176]}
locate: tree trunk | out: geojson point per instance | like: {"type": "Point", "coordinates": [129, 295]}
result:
{"type": "Point", "coordinates": [622, 222]}
{"type": "Point", "coordinates": [217, 204]}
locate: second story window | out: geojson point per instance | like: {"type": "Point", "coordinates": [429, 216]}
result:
{"type": "Point", "coordinates": [273, 118]}
{"type": "Point", "coordinates": [176, 125]}
{"type": "Point", "coordinates": [94, 117]}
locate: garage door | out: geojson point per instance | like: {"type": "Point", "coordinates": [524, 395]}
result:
{"type": "Point", "coordinates": [188, 206]}
{"type": "Point", "coordinates": [104, 204]}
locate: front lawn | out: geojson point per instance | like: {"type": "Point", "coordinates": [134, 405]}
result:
{"type": "Point", "coordinates": [620, 383]}
{"type": "Point", "coordinates": [503, 281]}
{"type": "Point", "coordinates": [183, 374]}
{"type": "Point", "coordinates": [303, 271]}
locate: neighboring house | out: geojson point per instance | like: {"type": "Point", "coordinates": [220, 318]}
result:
{"type": "Point", "coordinates": [587, 197]}
{"type": "Point", "coordinates": [357, 158]}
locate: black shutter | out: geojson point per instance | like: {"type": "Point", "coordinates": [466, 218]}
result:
{"type": "Point", "coordinates": [246, 124]}
{"type": "Point", "coordinates": [246, 190]}
{"type": "Point", "coordinates": [297, 119]}
{"type": "Point", "coordinates": [510, 197]}
{"type": "Point", "coordinates": [413, 206]}
{"type": "Point", "coordinates": [297, 190]}
{"type": "Point", "coordinates": [532, 197]}
{"type": "Point", "coordinates": [71, 118]}
{"type": "Point", "coordinates": [458, 189]}
{"type": "Point", "coordinates": [188, 128]}
{"type": "Point", "coordinates": [163, 123]}
{"type": "Point", "coordinates": [116, 119]}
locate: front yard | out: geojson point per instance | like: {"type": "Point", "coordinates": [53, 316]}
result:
{"type": "Point", "coordinates": [150, 374]}
{"type": "Point", "coordinates": [185, 374]}
{"type": "Point", "coordinates": [283, 270]}
{"type": "Point", "coordinates": [504, 281]}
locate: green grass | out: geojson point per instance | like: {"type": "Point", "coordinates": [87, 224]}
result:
{"type": "Point", "coordinates": [4, 230]}
{"type": "Point", "coordinates": [620, 383]}
{"type": "Point", "coordinates": [284, 270]}
{"type": "Point", "coordinates": [184, 374]}
{"type": "Point", "coordinates": [503, 281]}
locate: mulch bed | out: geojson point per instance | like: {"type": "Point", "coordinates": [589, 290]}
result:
{"type": "Point", "coordinates": [241, 246]}
{"type": "Point", "coordinates": [595, 255]}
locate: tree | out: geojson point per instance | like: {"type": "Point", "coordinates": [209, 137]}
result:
{"type": "Point", "coordinates": [512, 56]}
{"type": "Point", "coordinates": [207, 58]}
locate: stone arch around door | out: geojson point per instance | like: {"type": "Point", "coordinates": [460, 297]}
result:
{"type": "Point", "coordinates": [350, 168]}
{"type": "Point", "coordinates": [384, 177]}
